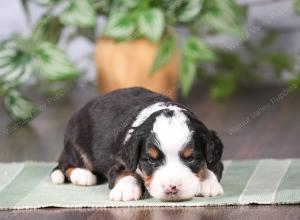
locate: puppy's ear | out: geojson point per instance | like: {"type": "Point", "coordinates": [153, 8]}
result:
{"type": "Point", "coordinates": [131, 151]}
{"type": "Point", "coordinates": [214, 149]}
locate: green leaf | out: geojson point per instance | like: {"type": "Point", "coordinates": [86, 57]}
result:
{"type": "Point", "coordinates": [187, 75]}
{"type": "Point", "coordinates": [188, 10]}
{"type": "Point", "coordinates": [46, 2]}
{"type": "Point", "coordinates": [229, 60]}
{"type": "Point", "coordinates": [15, 66]}
{"type": "Point", "coordinates": [53, 64]}
{"type": "Point", "coordinates": [225, 16]}
{"type": "Point", "coordinates": [269, 39]}
{"type": "Point", "coordinates": [88, 33]}
{"type": "Point", "coordinates": [164, 54]}
{"type": "Point", "coordinates": [102, 7]}
{"type": "Point", "coordinates": [119, 26]}
{"type": "Point", "coordinates": [25, 6]}
{"type": "Point", "coordinates": [297, 6]}
{"type": "Point", "coordinates": [122, 6]}
{"type": "Point", "coordinates": [151, 23]}
{"type": "Point", "coordinates": [294, 82]}
{"type": "Point", "coordinates": [79, 14]}
{"type": "Point", "coordinates": [48, 28]}
{"type": "Point", "coordinates": [196, 49]}
{"type": "Point", "coordinates": [279, 61]}
{"type": "Point", "coordinates": [18, 107]}
{"type": "Point", "coordinates": [130, 3]}
{"type": "Point", "coordinates": [223, 86]}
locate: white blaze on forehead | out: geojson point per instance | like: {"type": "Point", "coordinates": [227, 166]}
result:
{"type": "Point", "coordinates": [172, 133]}
{"type": "Point", "coordinates": [146, 113]}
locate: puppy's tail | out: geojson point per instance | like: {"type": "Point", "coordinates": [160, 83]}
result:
{"type": "Point", "coordinates": [57, 176]}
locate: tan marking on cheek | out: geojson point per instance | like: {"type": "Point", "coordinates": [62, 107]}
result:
{"type": "Point", "coordinates": [187, 152]}
{"type": "Point", "coordinates": [147, 180]}
{"type": "Point", "coordinates": [201, 174]}
{"type": "Point", "coordinates": [153, 152]}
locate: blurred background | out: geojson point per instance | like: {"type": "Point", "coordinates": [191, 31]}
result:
{"type": "Point", "coordinates": [234, 63]}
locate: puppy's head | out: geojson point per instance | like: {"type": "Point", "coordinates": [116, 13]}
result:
{"type": "Point", "coordinates": [171, 151]}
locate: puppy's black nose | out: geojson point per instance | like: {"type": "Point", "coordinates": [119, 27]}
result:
{"type": "Point", "coordinates": [171, 190]}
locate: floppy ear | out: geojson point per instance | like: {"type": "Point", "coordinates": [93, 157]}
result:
{"type": "Point", "coordinates": [214, 149]}
{"type": "Point", "coordinates": [212, 145]}
{"type": "Point", "coordinates": [131, 150]}
{"type": "Point", "coordinates": [132, 147]}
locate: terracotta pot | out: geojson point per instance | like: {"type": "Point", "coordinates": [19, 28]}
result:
{"type": "Point", "coordinates": [127, 64]}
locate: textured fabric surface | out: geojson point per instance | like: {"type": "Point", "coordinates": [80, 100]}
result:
{"type": "Point", "coordinates": [27, 185]}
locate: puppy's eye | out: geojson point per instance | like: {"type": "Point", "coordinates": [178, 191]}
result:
{"type": "Point", "coordinates": [190, 159]}
{"type": "Point", "coordinates": [151, 160]}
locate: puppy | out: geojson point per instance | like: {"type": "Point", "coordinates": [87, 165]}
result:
{"type": "Point", "coordinates": [138, 141]}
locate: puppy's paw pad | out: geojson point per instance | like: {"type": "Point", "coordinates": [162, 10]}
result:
{"type": "Point", "coordinates": [210, 187]}
{"type": "Point", "coordinates": [83, 177]}
{"type": "Point", "coordinates": [126, 189]}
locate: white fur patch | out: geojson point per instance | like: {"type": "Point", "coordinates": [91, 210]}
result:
{"type": "Point", "coordinates": [146, 112]}
{"type": "Point", "coordinates": [174, 173]}
{"type": "Point", "coordinates": [83, 177]}
{"type": "Point", "coordinates": [128, 188]}
{"type": "Point", "coordinates": [172, 133]}
{"type": "Point", "coordinates": [57, 177]}
{"type": "Point", "coordinates": [210, 186]}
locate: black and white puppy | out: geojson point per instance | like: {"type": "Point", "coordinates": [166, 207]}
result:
{"type": "Point", "coordinates": [140, 140]}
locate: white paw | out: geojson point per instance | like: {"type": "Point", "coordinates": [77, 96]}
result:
{"type": "Point", "coordinates": [210, 186]}
{"type": "Point", "coordinates": [57, 177]}
{"type": "Point", "coordinates": [83, 177]}
{"type": "Point", "coordinates": [126, 189]}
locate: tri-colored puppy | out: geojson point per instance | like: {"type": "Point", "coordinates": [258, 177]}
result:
{"type": "Point", "coordinates": [140, 141]}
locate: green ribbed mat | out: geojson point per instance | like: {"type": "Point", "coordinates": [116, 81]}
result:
{"type": "Point", "coordinates": [27, 185]}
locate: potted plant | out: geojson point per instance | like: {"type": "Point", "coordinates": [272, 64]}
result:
{"type": "Point", "coordinates": [139, 45]}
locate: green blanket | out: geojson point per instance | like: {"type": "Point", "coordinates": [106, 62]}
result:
{"type": "Point", "coordinates": [27, 185]}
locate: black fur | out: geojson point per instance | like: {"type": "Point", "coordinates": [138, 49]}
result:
{"type": "Point", "coordinates": [197, 160]}
{"type": "Point", "coordinates": [146, 163]}
{"type": "Point", "coordinates": [98, 130]}
{"type": "Point", "coordinates": [207, 142]}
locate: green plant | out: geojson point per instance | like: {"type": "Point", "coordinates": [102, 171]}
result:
{"type": "Point", "coordinates": [29, 59]}
{"type": "Point", "coordinates": [232, 69]}
{"type": "Point", "coordinates": [38, 56]}
{"type": "Point", "coordinates": [153, 19]}
{"type": "Point", "coordinates": [23, 58]}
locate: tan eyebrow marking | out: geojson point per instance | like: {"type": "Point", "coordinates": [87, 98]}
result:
{"type": "Point", "coordinates": [153, 152]}
{"type": "Point", "coordinates": [187, 152]}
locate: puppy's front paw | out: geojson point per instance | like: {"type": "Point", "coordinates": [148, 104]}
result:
{"type": "Point", "coordinates": [128, 188]}
{"type": "Point", "coordinates": [210, 186]}
{"type": "Point", "coordinates": [83, 177]}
